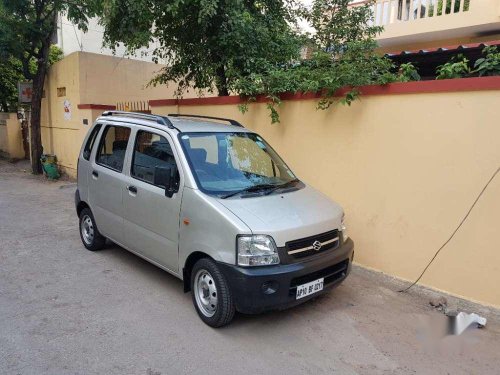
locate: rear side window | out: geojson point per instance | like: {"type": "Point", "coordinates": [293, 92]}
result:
{"type": "Point", "coordinates": [90, 142]}
{"type": "Point", "coordinates": [150, 151]}
{"type": "Point", "coordinates": [111, 152]}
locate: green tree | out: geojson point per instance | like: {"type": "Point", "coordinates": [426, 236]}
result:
{"type": "Point", "coordinates": [344, 56]}
{"type": "Point", "coordinates": [337, 24]}
{"type": "Point", "coordinates": [11, 73]}
{"type": "Point", "coordinates": [206, 44]}
{"type": "Point", "coordinates": [26, 31]}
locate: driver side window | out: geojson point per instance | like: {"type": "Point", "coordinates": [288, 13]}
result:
{"type": "Point", "coordinates": [150, 151]}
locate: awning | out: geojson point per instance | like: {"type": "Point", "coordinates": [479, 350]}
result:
{"type": "Point", "coordinates": [427, 60]}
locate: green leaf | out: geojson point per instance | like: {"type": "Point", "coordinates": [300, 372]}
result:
{"type": "Point", "coordinates": [26, 29]}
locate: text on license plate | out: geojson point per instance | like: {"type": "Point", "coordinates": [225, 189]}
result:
{"type": "Point", "coordinates": [310, 288]}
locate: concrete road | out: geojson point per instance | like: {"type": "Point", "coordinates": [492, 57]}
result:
{"type": "Point", "coordinates": [65, 310]}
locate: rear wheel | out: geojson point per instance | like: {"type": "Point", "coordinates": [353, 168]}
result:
{"type": "Point", "coordinates": [91, 237]}
{"type": "Point", "coordinates": [212, 297]}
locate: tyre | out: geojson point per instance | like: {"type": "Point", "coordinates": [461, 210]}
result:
{"type": "Point", "coordinates": [91, 238]}
{"type": "Point", "coordinates": [211, 294]}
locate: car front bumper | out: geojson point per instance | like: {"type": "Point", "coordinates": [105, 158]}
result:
{"type": "Point", "coordinates": [251, 287]}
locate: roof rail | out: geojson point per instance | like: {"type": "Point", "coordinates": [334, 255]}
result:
{"type": "Point", "coordinates": [232, 122]}
{"type": "Point", "coordinates": [144, 116]}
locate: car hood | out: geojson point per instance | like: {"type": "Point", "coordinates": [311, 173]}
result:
{"type": "Point", "coordinates": [288, 216]}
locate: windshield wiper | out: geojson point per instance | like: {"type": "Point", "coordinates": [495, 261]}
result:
{"type": "Point", "coordinates": [286, 184]}
{"type": "Point", "coordinates": [250, 189]}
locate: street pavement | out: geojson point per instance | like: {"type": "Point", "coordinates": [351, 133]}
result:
{"type": "Point", "coordinates": [66, 310]}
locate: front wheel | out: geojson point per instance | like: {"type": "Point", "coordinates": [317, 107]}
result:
{"type": "Point", "coordinates": [212, 297]}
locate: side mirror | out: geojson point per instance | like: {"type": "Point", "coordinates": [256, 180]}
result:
{"type": "Point", "coordinates": [167, 177]}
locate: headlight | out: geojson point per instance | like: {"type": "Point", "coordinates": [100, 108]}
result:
{"type": "Point", "coordinates": [343, 228]}
{"type": "Point", "coordinates": [257, 250]}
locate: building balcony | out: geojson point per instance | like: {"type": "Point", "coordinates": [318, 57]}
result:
{"type": "Point", "coordinates": [409, 23]}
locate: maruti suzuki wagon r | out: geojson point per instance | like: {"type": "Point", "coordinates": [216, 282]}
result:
{"type": "Point", "coordinates": [213, 204]}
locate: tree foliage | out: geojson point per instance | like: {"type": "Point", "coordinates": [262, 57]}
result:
{"type": "Point", "coordinates": [460, 66]}
{"type": "Point", "coordinates": [457, 67]}
{"type": "Point", "coordinates": [336, 24]}
{"type": "Point", "coordinates": [344, 56]}
{"type": "Point", "coordinates": [408, 72]}
{"type": "Point", "coordinates": [251, 47]}
{"type": "Point", "coordinates": [205, 44]}
{"type": "Point", "coordinates": [11, 73]}
{"type": "Point", "coordinates": [26, 31]}
{"type": "Point", "coordinates": [489, 65]}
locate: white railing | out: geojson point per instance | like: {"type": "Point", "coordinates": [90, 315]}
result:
{"type": "Point", "coordinates": [386, 12]}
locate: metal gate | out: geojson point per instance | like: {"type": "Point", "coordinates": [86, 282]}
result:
{"type": "Point", "coordinates": [140, 106]}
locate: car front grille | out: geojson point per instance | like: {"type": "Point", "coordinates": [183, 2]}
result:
{"type": "Point", "coordinates": [305, 247]}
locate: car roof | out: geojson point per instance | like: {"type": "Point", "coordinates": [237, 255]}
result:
{"type": "Point", "coordinates": [181, 124]}
{"type": "Point", "coordinates": [187, 125]}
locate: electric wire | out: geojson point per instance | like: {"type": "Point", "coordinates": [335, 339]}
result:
{"type": "Point", "coordinates": [452, 235]}
{"type": "Point", "coordinates": [78, 39]}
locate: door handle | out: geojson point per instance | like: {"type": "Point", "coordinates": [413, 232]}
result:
{"type": "Point", "coordinates": [132, 189]}
{"type": "Point", "coordinates": [95, 174]}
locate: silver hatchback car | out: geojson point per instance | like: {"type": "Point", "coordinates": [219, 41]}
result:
{"type": "Point", "coordinates": [213, 204]}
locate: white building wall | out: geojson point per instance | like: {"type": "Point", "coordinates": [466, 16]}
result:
{"type": "Point", "coordinates": [70, 39]}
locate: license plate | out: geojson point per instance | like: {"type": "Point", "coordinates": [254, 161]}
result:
{"type": "Point", "coordinates": [305, 290]}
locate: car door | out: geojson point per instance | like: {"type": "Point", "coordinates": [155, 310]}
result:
{"type": "Point", "coordinates": [85, 164]}
{"type": "Point", "coordinates": [106, 181]}
{"type": "Point", "coordinates": [151, 219]}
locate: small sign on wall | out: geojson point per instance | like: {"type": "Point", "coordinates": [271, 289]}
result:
{"type": "Point", "coordinates": [25, 90]}
{"type": "Point", "coordinates": [67, 110]}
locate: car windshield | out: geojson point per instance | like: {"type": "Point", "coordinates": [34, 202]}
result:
{"type": "Point", "coordinates": [227, 163]}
